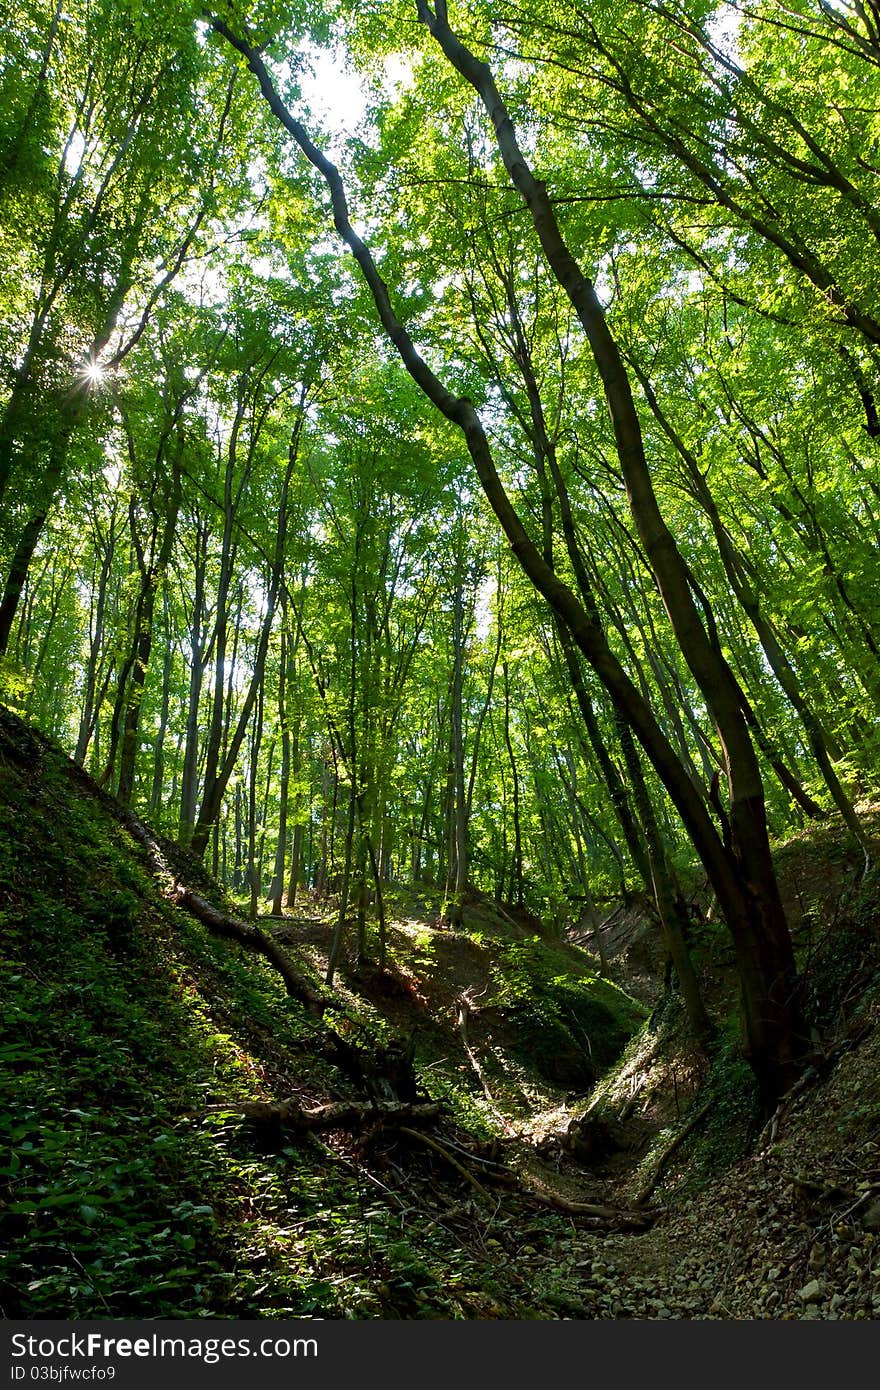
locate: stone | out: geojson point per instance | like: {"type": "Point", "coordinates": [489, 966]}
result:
{"type": "Point", "coordinates": [813, 1292]}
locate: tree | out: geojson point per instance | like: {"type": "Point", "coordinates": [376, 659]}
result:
{"type": "Point", "coordinates": [751, 904]}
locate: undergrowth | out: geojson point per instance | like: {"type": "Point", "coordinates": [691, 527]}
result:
{"type": "Point", "coordinates": [130, 1187]}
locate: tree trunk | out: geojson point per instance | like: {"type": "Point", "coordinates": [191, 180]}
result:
{"type": "Point", "coordinates": [744, 881]}
{"type": "Point", "coordinates": [453, 907]}
{"type": "Point", "coordinates": [284, 775]}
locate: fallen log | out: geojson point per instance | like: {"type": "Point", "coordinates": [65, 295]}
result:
{"type": "Point", "coordinates": [336, 1114]}
{"type": "Point", "coordinates": [220, 923]}
{"type": "Point", "coordinates": [620, 1217]}
{"type": "Point", "coordinates": [253, 939]}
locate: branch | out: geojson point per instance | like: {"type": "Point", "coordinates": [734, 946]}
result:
{"type": "Point", "coordinates": [251, 937]}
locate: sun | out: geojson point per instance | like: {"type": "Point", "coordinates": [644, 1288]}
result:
{"type": "Point", "coordinates": [93, 373]}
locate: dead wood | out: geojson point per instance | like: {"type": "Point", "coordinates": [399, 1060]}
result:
{"type": "Point", "coordinates": [220, 923]}
{"type": "Point", "coordinates": [666, 1154]}
{"type": "Point", "coordinates": [463, 1009]}
{"type": "Point", "coordinates": [383, 1072]}
{"type": "Point", "coordinates": [253, 938]}
{"type": "Point", "coordinates": [619, 1217]}
{"type": "Point", "coordinates": [448, 1157]}
{"type": "Point", "coordinates": [336, 1114]}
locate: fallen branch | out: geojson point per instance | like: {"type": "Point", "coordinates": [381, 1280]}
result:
{"type": "Point", "coordinates": [462, 1013]}
{"type": "Point", "coordinates": [336, 1114]}
{"type": "Point", "coordinates": [674, 1143]}
{"type": "Point", "coordinates": [220, 923]}
{"type": "Point", "coordinates": [613, 1216]}
{"type": "Point", "coordinates": [447, 1157]}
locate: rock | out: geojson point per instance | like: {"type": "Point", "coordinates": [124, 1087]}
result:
{"type": "Point", "coordinates": [817, 1258]}
{"type": "Point", "coordinates": [871, 1216]}
{"type": "Point", "coordinates": [813, 1292]}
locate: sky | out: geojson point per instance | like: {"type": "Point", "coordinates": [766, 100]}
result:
{"type": "Point", "coordinates": [338, 96]}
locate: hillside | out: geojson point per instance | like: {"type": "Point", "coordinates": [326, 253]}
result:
{"type": "Point", "coordinates": [136, 1039]}
{"type": "Point", "coordinates": [133, 1186]}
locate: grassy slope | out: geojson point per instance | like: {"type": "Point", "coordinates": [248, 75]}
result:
{"type": "Point", "coordinates": [125, 1194]}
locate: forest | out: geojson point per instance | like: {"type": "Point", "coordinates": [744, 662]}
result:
{"type": "Point", "coordinates": [439, 623]}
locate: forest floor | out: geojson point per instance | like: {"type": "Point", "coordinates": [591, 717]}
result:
{"type": "Point", "coordinates": [781, 1221]}
{"type": "Point", "coordinates": [590, 1162]}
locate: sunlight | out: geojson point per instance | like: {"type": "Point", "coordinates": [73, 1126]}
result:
{"type": "Point", "coordinates": [93, 373]}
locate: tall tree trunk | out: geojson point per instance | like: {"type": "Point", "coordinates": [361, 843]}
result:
{"type": "Point", "coordinates": [284, 775]}
{"type": "Point", "coordinates": [199, 653]}
{"type": "Point", "coordinates": [336, 943]}
{"type": "Point", "coordinates": [30, 535]}
{"type": "Point", "coordinates": [157, 787]}
{"type": "Point", "coordinates": [152, 574]}
{"type": "Point", "coordinates": [743, 881]}
{"type": "Point", "coordinates": [215, 788]}
{"type": "Point", "coordinates": [253, 878]}
{"type": "Point", "coordinates": [516, 876]}
{"type": "Point", "coordinates": [736, 569]}
{"type": "Point", "coordinates": [454, 905]}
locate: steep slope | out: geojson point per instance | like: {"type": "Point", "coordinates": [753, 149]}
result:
{"type": "Point", "coordinates": [136, 1042]}
{"type": "Point", "coordinates": [133, 1041]}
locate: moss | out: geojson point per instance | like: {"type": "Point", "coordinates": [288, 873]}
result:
{"type": "Point", "coordinates": [569, 1027]}
{"type": "Point", "coordinates": [844, 968]}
